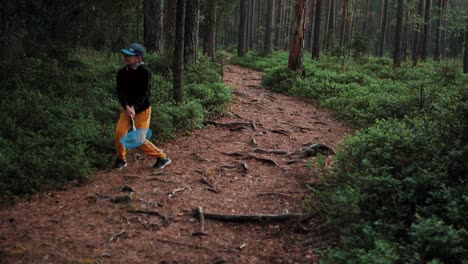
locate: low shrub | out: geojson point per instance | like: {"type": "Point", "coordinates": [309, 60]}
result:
{"type": "Point", "coordinates": [58, 115]}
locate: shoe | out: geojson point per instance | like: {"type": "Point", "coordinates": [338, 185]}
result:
{"type": "Point", "coordinates": [161, 163]}
{"type": "Point", "coordinates": [119, 164]}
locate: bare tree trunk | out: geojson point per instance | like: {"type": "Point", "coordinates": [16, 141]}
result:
{"type": "Point", "coordinates": [438, 31]}
{"type": "Point", "coordinates": [279, 23]}
{"type": "Point", "coordinates": [288, 28]}
{"type": "Point", "coordinates": [192, 15]}
{"type": "Point", "coordinates": [427, 26]}
{"type": "Point", "coordinates": [296, 53]}
{"type": "Point", "coordinates": [330, 35]}
{"type": "Point", "coordinates": [169, 24]}
{"type": "Point", "coordinates": [310, 26]}
{"type": "Point", "coordinates": [250, 25]}
{"type": "Point", "coordinates": [179, 53]}
{"type": "Point", "coordinates": [405, 35]}
{"type": "Point", "coordinates": [344, 20]}
{"type": "Point", "coordinates": [209, 36]}
{"type": "Point", "coordinates": [383, 29]}
{"type": "Point", "coordinates": [153, 24]}
{"type": "Point", "coordinates": [465, 58]}
{"type": "Point", "coordinates": [242, 45]}
{"type": "Point", "coordinates": [418, 34]}
{"type": "Point", "coordinates": [268, 44]}
{"type": "Point", "coordinates": [316, 43]}
{"type": "Point", "coordinates": [398, 33]}
{"type": "Point", "coordinates": [353, 21]}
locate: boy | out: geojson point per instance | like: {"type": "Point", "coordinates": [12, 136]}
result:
{"type": "Point", "coordinates": [133, 91]}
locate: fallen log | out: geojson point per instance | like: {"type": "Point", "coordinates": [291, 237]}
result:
{"type": "Point", "coordinates": [255, 217]}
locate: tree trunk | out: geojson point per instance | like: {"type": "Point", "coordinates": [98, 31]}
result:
{"type": "Point", "coordinates": [209, 36]}
{"type": "Point", "coordinates": [426, 31]}
{"type": "Point", "coordinates": [398, 33]}
{"type": "Point", "coordinates": [288, 28]}
{"type": "Point", "coordinates": [153, 24]}
{"type": "Point", "coordinates": [169, 24]}
{"type": "Point", "coordinates": [465, 58]}
{"type": "Point", "coordinates": [316, 43]}
{"type": "Point", "coordinates": [330, 38]}
{"type": "Point", "coordinates": [279, 23]}
{"type": "Point", "coordinates": [296, 53]}
{"type": "Point", "coordinates": [192, 15]}
{"type": "Point", "coordinates": [405, 35]}
{"type": "Point", "coordinates": [242, 45]}
{"type": "Point", "coordinates": [383, 29]}
{"type": "Point", "coordinates": [438, 31]}
{"type": "Point", "coordinates": [418, 34]}
{"type": "Point", "coordinates": [344, 19]}
{"type": "Point", "coordinates": [268, 45]}
{"type": "Point", "coordinates": [179, 53]}
{"type": "Point", "coordinates": [310, 26]}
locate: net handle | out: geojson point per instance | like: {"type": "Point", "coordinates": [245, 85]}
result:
{"type": "Point", "coordinates": [133, 124]}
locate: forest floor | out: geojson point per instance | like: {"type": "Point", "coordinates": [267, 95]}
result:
{"type": "Point", "coordinates": [216, 168]}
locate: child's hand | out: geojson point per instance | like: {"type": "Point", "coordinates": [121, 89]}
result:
{"type": "Point", "coordinates": [130, 110]}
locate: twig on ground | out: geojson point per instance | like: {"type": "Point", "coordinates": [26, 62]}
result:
{"type": "Point", "coordinates": [116, 236]}
{"type": "Point", "coordinates": [174, 192]}
{"type": "Point", "coordinates": [281, 131]}
{"type": "Point", "coordinates": [212, 187]}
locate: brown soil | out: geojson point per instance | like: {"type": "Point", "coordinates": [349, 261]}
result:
{"type": "Point", "coordinates": [76, 224]}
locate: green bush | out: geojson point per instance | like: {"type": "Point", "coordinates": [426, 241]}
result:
{"type": "Point", "coordinates": [397, 193]}
{"type": "Point", "coordinates": [58, 116]}
{"type": "Point", "coordinates": [395, 180]}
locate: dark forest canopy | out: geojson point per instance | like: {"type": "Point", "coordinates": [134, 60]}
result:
{"type": "Point", "coordinates": [427, 28]}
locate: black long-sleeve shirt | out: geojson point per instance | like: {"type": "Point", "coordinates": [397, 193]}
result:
{"type": "Point", "coordinates": [133, 87]}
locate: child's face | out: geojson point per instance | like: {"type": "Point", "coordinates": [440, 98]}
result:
{"type": "Point", "coordinates": [132, 60]}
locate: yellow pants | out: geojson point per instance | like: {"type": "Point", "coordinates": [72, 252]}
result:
{"type": "Point", "coordinates": [142, 120]}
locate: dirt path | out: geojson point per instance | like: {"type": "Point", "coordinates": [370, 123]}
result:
{"type": "Point", "coordinates": [81, 224]}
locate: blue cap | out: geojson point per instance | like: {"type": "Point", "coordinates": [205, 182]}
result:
{"type": "Point", "coordinates": [134, 50]}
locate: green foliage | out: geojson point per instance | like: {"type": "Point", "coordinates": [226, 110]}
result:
{"type": "Point", "coordinates": [397, 192]}
{"type": "Point", "coordinates": [58, 116]}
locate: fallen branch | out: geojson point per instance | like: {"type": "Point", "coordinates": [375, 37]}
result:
{"type": "Point", "coordinates": [321, 123]}
{"type": "Point", "coordinates": [174, 192]}
{"type": "Point", "coordinates": [289, 162]}
{"type": "Point", "coordinates": [236, 154]}
{"type": "Point", "coordinates": [279, 152]}
{"type": "Point", "coordinates": [212, 188]}
{"type": "Point", "coordinates": [281, 131]}
{"type": "Point", "coordinates": [255, 217]}
{"type": "Point", "coordinates": [201, 219]}
{"type": "Point", "coordinates": [117, 235]}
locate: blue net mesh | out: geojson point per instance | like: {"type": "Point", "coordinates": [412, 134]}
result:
{"type": "Point", "coordinates": [136, 138]}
